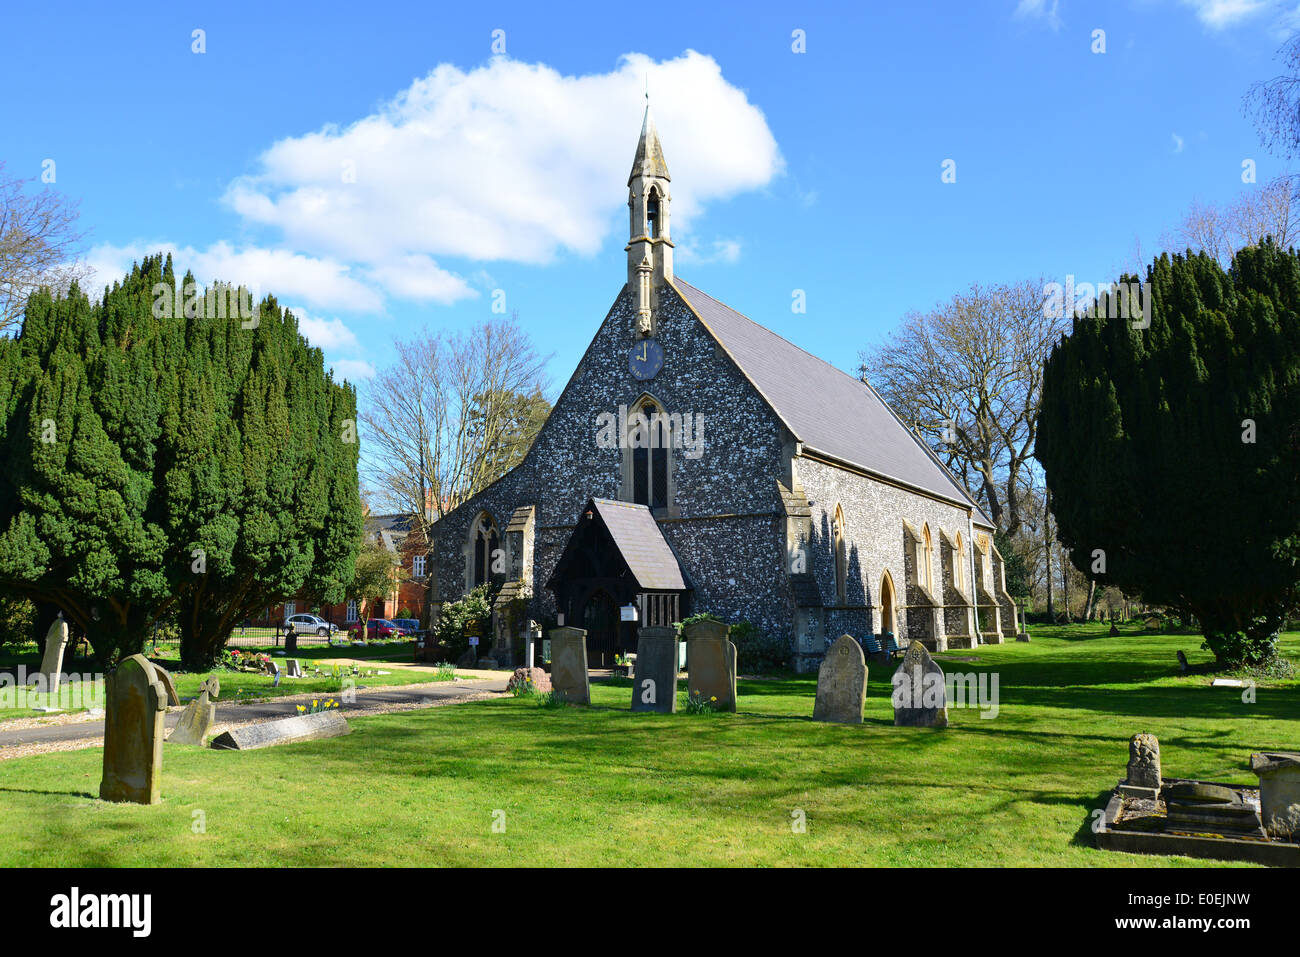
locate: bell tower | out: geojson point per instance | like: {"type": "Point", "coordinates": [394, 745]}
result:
{"type": "Point", "coordinates": [649, 249]}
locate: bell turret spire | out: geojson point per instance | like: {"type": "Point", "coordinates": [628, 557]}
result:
{"type": "Point", "coordinates": [649, 248]}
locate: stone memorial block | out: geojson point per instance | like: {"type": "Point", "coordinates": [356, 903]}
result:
{"type": "Point", "coordinates": [198, 716]}
{"type": "Point", "coordinates": [920, 697]}
{"type": "Point", "coordinates": [56, 640]}
{"type": "Point", "coordinates": [1143, 778]}
{"type": "Point", "coordinates": [539, 679]}
{"type": "Point", "coordinates": [1202, 807]}
{"type": "Point", "coordinates": [303, 727]}
{"type": "Point", "coordinates": [135, 706]}
{"type": "Point", "coordinates": [293, 668]}
{"type": "Point", "coordinates": [165, 677]}
{"type": "Point", "coordinates": [655, 686]}
{"type": "Point", "coordinates": [711, 663]}
{"type": "Point", "coordinates": [1279, 792]}
{"type": "Point", "coordinates": [569, 664]}
{"type": "Point", "coordinates": [842, 683]}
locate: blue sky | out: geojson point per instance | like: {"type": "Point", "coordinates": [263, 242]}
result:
{"type": "Point", "coordinates": [474, 171]}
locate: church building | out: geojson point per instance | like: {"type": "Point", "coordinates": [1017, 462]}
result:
{"type": "Point", "coordinates": [698, 462]}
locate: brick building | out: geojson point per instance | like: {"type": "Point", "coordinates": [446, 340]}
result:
{"type": "Point", "coordinates": [696, 461]}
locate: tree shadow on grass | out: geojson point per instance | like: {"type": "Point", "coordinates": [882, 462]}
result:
{"type": "Point", "coordinates": [75, 794]}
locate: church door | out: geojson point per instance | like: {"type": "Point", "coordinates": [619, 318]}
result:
{"type": "Point", "coordinates": [600, 619]}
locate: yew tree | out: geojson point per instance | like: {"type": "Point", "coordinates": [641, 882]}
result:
{"type": "Point", "coordinates": [1172, 452]}
{"type": "Point", "coordinates": [177, 462]}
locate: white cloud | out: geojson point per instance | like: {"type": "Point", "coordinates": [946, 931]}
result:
{"type": "Point", "coordinates": [1178, 142]}
{"type": "Point", "coordinates": [278, 272]}
{"type": "Point", "coordinates": [328, 335]}
{"type": "Point", "coordinates": [1225, 13]}
{"type": "Point", "coordinates": [509, 161]}
{"type": "Point", "coordinates": [354, 370]}
{"type": "Point", "coordinates": [719, 250]}
{"type": "Point", "coordinates": [1046, 10]}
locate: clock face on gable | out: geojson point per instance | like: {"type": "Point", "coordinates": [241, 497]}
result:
{"type": "Point", "coordinates": [645, 359]}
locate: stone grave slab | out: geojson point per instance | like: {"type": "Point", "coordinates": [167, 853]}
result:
{"type": "Point", "coordinates": [266, 734]}
{"type": "Point", "coordinates": [711, 664]}
{"type": "Point", "coordinates": [920, 696]}
{"type": "Point", "coordinates": [569, 664]}
{"type": "Point", "coordinates": [135, 707]}
{"type": "Point", "coordinates": [841, 683]}
{"type": "Point", "coordinates": [655, 686]}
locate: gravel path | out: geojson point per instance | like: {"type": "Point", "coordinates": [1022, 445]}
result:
{"type": "Point", "coordinates": [71, 732]}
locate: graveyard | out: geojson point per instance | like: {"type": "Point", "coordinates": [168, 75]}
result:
{"type": "Point", "coordinates": [508, 782]}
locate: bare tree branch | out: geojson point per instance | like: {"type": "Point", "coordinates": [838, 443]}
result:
{"type": "Point", "coordinates": [39, 245]}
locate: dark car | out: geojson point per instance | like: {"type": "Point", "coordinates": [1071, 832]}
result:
{"type": "Point", "coordinates": [408, 625]}
{"type": "Point", "coordinates": [383, 628]}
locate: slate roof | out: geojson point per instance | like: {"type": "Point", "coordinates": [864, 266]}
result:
{"type": "Point", "coordinates": [642, 545]}
{"type": "Point", "coordinates": [826, 409]}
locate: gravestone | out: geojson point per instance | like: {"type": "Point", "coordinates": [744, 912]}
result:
{"type": "Point", "coordinates": [1143, 778]}
{"type": "Point", "coordinates": [135, 705]}
{"type": "Point", "coordinates": [303, 727]}
{"type": "Point", "coordinates": [198, 716]}
{"type": "Point", "coordinates": [166, 679]}
{"type": "Point", "coordinates": [1279, 791]}
{"type": "Point", "coordinates": [569, 664]}
{"type": "Point", "coordinates": [1182, 662]}
{"type": "Point", "coordinates": [655, 685]}
{"type": "Point", "coordinates": [920, 697]}
{"type": "Point", "coordinates": [293, 668]}
{"type": "Point", "coordinates": [56, 640]}
{"type": "Point", "coordinates": [841, 683]}
{"type": "Point", "coordinates": [711, 663]}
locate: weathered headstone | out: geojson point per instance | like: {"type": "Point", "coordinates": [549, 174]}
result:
{"type": "Point", "coordinates": [711, 663]}
{"type": "Point", "coordinates": [293, 668]}
{"type": "Point", "coordinates": [1279, 792]}
{"type": "Point", "coordinates": [198, 716]}
{"type": "Point", "coordinates": [136, 702]}
{"type": "Point", "coordinates": [1143, 777]}
{"type": "Point", "coordinates": [569, 664]}
{"type": "Point", "coordinates": [920, 697]}
{"type": "Point", "coordinates": [655, 686]}
{"type": "Point", "coordinates": [303, 727]}
{"type": "Point", "coordinates": [1182, 662]}
{"type": "Point", "coordinates": [56, 640]}
{"type": "Point", "coordinates": [166, 679]}
{"type": "Point", "coordinates": [841, 683]}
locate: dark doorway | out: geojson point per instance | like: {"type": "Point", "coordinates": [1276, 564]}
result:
{"type": "Point", "coordinates": [601, 620]}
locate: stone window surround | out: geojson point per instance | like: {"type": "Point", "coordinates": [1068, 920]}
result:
{"type": "Point", "coordinates": [626, 485]}
{"type": "Point", "coordinates": [471, 541]}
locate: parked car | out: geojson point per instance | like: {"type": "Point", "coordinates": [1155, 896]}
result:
{"type": "Point", "coordinates": [309, 625]}
{"type": "Point", "coordinates": [383, 628]}
{"type": "Point", "coordinates": [408, 625]}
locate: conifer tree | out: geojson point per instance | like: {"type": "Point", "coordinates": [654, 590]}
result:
{"type": "Point", "coordinates": [1172, 453]}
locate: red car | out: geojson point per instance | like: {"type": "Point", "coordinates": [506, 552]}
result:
{"type": "Point", "coordinates": [383, 628]}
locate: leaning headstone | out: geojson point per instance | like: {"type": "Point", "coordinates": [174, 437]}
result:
{"type": "Point", "coordinates": [303, 727]}
{"type": "Point", "coordinates": [136, 702]}
{"type": "Point", "coordinates": [198, 716]}
{"type": "Point", "coordinates": [920, 696]}
{"type": "Point", "coordinates": [56, 639]}
{"type": "Point", "coordinates": [166, 679]}
{"type": "Point", "coordinates": [841, 683]}
{"type": "Point", "coordinates": [1143, 778]}
{"type": "Point", "coordinates": [655, 685]}
{"type": "Point", "coordinates": [1279, 792]}
{"type": "Point", "coordinates": [569, 664]}
{"type": "Point", "coordinates": [711, 664]}
{"type": "Point", "coordinates": [1182, 662]}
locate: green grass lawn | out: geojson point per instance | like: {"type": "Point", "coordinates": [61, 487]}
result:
{"type": "Point", "coordinates": [600, 785]}
{"type": "Point", "coordinates": [240, 685]}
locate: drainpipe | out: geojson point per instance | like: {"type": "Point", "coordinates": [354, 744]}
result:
{"type": "Point", "coordinates": [974, 585]}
